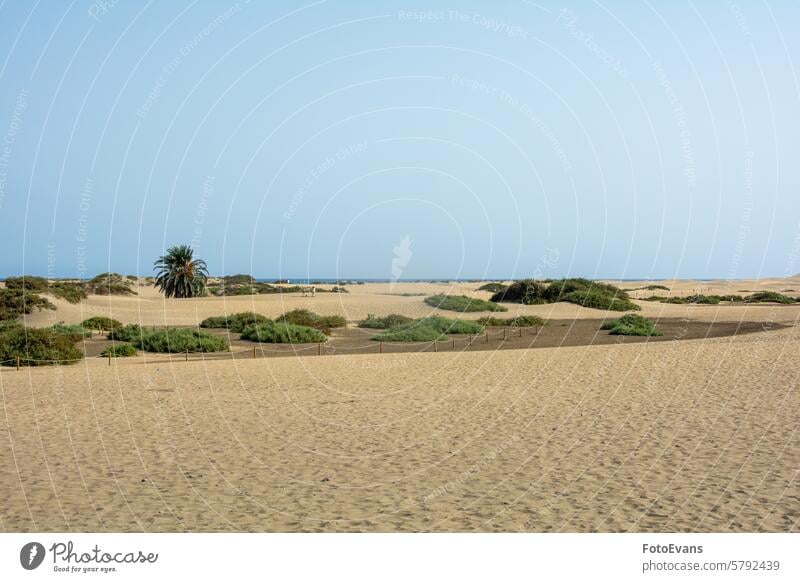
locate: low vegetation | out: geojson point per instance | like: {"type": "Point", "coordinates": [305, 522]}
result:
{"type": "Point", "coordinates": [74, 332]}
{"type": "Point", "coordinates": [304, 317]}
{"type": "Point", "coordinates": [14, 303]}
{"type": "Point", "coordinates": [35, 347]}
{"type": "Point", "coordinates": [462, 303]}
{"type": "Point", "coordinates": [412, 332]}
{"type": "Point", "coordinates": [651, 288]}
{"type": "Point", "coordinates": [518, 321]}
{"type": "Point", "coordinates": [126, 333]}
{"type": "Point", "coordinates": [631, 324]}
{"type": "Point", "coordinates": [769, 297]}
{"type": "Point", "coordinates": [450, 326]}
{"type": "Point", "coordinates": [109, 284]}
{"type": "Point", "coordinates": [235, 323]}
{"type": "Point", "coordinates": [579, 291]}
{"type": "Point", "coordinates": [384, 322]}
{"type": "Point", "coordinates": [119, 351]}
{"type": "Point", "coordinates": [179, 340]}
{"type": "Point", "coordinates": [68, 291]}
{"type": "Point", "coordinates": [283, 333]}
{"type": "Point", "coordinates": [493, 287]}
{"type": "Point", "coordinates": [101, 323]}
{"type": "Point", "coordinates": [434, 327]}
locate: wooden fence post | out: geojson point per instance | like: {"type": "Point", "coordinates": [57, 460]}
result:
{"type": "Point", "coordinates": [17, 363]}
{"type": "Point", "coordinates": [435, 348]}
{"type": "Point", "coordinates": [254, 352]}
{"type": "Point", "coordinates": [187, 354]}
{"type": "Point", "coordinates": [381, 343]}
{"type": "Point", "coordinates": [319, 348]}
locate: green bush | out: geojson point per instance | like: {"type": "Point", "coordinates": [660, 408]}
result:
{"type": "Point", "coordinates": [769, 297]}
{"type": "Point", "coordinates": [16, 302]}
{"type": "Point", "coordinates": [631, 324]}
{"type": "Point", "coordinates": [449, 326]}
{"type": "Point", "coordinates": [462, 303]}
{"type": "Point", "coordinates": [179, 340]}
{"type": "Point", "coordinates": [526, 291]}
{"type": "Point", "coordinates": [574, 290]}
{"type": "Point", "coordinates": [412, 332]}
{"type": "Point", "coordinates": [304, 317]}
{"type": "Point", "coordinates": [731, 298]}
{"type": "Point", "coordinates": [236, 322]}
{"type": "Point", "coordinates": [283, 333]}
{"type": "Point", "coordinates": [119, 351]}
{"type": "Point", "coordinates": [660, 298]}
{"type": "Point", "coordinates": [393, 319]}
{"type": "Point", "coordinates": [519, 321]}
{"type": "Point", "coordinates": [101, 323]}
{"type": "Point", "coordinates": [36, 347]}
{"type": "Point", "coordinates": [493, 287]}
{"type": "Point", "coordinates": [598, 300]}
{"type": "Point", "coordinates": [126, 333]}
{"type": "Point", "coordinates": [109, 284]}
{"type": "Point", "coordinates": [73, 332]}
{"type": "Point", "coordinates": [675, 300]}
{"type": "Point", "coordinates": [28, 283]}
{"type": "Point", "coordinates": [71, 292]}
{"type": "Point", "coordinates": [652, 288]}
{"type": "Point", "coordinates": [703, 299]}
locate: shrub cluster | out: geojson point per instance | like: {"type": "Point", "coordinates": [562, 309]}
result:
{"type": "Point", "coordinates": [109, 284]}
{"type": "Point", "coordinates": [15, 303]}
{"type": "Point", "coordinates": [493, 287]}
{"type": "Point", "coordinates": [35, 347]}
{"type": "Point", "coordinates": [304, 317]}
{"type": "Point", "coordinates": [431, 328]}
{"type": "Point", "coordinates": [126, 333]}
{"type": "Point", "coordinates": [393, 319]}
{"type": "Point", "coordinates": [71, 292]}
{"type": "Point", "coordinates": [283, 333]}
{"type": "Point", "coordinates": [410, 332]}
{"type": "Point", "coordinates": [236, 322]}
{"type": "Point", "coordinates": [518, 321]}
{"type": "Point", "coordinates": [462, 303]}
{"type": "Point", "coordinates": [74, 332]}
{"type": "Point", "coordinates": [119, 351]}
{"type": "Point", "coordinates": [576, 290]}
{"type": "Point", "coordinates": [769, 297]}
{"type": "Point", "coordinates": [631, 324]}
{"type": "Point", "coordinates": [179, 340]}
{"type": "Point", "coordinates": [652, 288]}
{"type": "Point", "coordinates": [101, 323]}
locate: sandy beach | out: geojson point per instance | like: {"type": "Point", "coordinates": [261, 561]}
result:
{"type": "Point", "coordinates": [690, 435]}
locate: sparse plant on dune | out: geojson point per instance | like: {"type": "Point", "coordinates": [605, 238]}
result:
{"type": "Point", "coordinates": [462, 303]}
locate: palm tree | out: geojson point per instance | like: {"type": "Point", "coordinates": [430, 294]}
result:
{"type": "Point", "coordinates": [180, 275]}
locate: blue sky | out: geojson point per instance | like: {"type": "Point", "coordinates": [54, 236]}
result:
{"type": "Point", "coordinates": [613, 139]}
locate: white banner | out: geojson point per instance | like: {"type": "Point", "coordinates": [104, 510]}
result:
{"type": "Point", "coordinates": [376, 557]}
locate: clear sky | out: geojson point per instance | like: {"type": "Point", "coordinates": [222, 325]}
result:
{"type": "Point", "coordinates": [401, 139]}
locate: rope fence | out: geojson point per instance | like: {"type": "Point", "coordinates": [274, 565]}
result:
{"type": "Point", "coordinates": [321, 348]}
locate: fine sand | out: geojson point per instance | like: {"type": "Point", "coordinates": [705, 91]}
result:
{"type": "Point", "coordinates": [690, 435]}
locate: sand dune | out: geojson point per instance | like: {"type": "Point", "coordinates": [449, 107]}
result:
{"type": "Point", "coordinates": [150, 307]}
{"type": "Point", "coordinates": [697, 435]}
